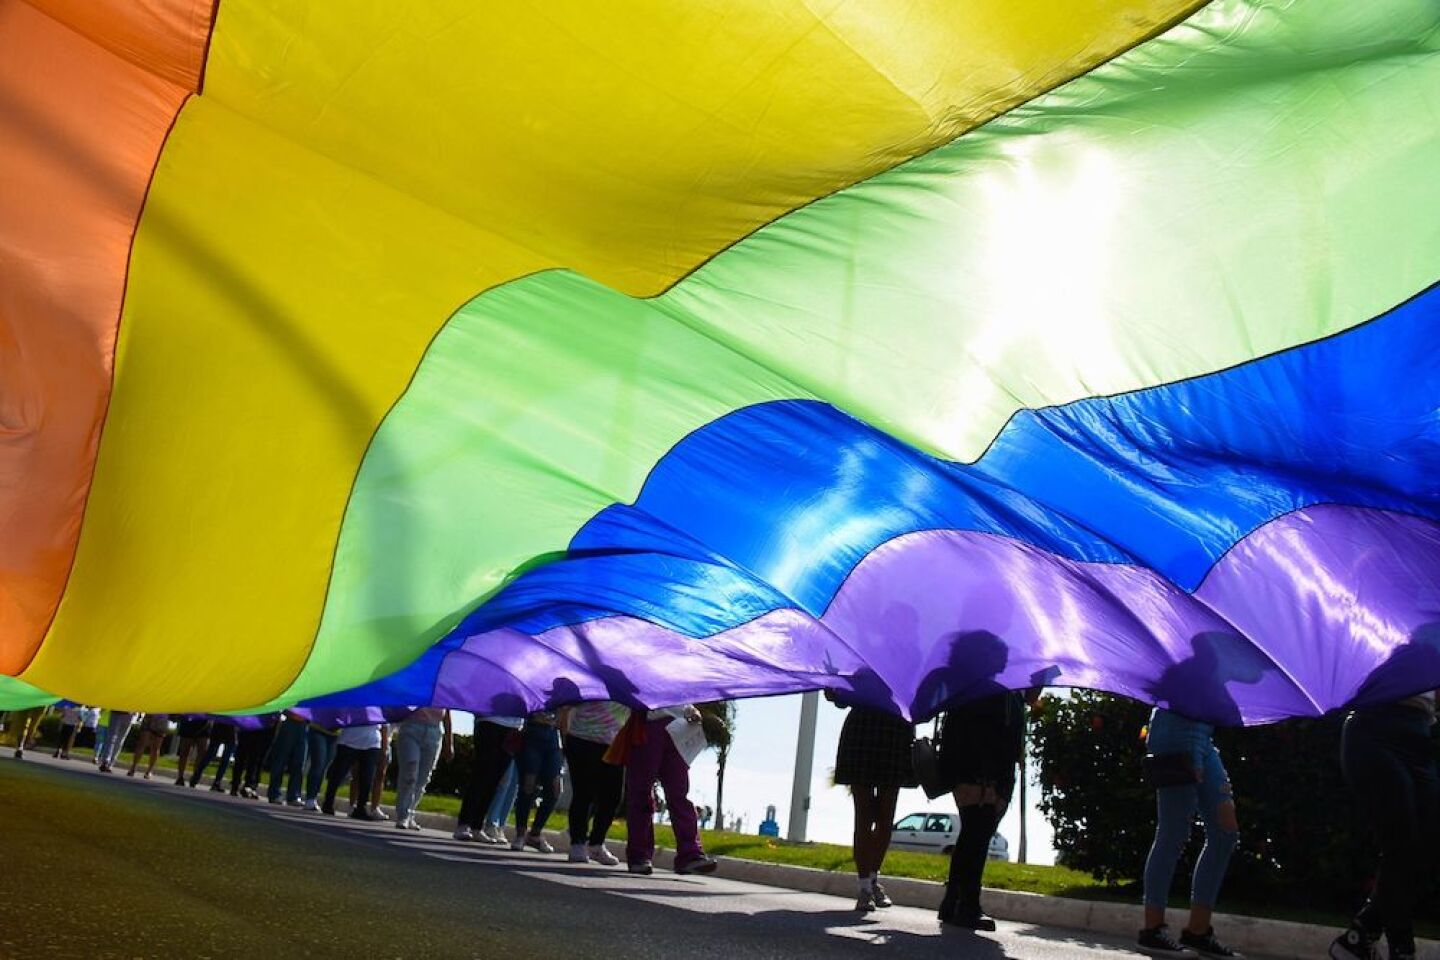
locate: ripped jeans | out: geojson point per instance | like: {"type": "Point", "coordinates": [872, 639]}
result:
{"type": "Point", "coordinates": [1175, 814]}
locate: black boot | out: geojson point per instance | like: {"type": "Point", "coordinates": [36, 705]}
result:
{"type": "Point", "coordinates": [947, 905]}
{"type": "Point", "coordinates": [961, 905]}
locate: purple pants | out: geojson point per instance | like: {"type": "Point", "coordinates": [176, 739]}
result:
{"type": "Point", "coordinates": [654, 759]}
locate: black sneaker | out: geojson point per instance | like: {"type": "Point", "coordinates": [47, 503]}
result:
{"type": "Point", "coordinates": [1157, 942]}
{"type": "Point", "coordinates": [1206, 945]}
{"type": "Point", "coordinates": [1354, 944]}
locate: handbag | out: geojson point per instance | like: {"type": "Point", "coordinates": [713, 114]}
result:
{"type": "Point", "coordinates": [1170, 770]}
{"type": "Point", "coordinates": [925, 759]}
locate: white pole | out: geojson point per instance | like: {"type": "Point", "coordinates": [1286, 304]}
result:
{"type": "Point", "coordinates": [804, 763]}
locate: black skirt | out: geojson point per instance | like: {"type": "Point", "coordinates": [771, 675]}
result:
{"type": "Point", "coordinates": [193, 727]}
{"type": "Point", "coordinates": [875, 750]}
{"type": "Point", "coordinates": [980, 743]}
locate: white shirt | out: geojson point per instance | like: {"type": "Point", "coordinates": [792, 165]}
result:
{"type": "Point", "coordinates": [364, 737]}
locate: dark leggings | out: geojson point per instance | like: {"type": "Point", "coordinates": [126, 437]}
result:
{"type": "Point", "coordinates": [365, 762]}
{"type": "Point", "coordinates": [1389, 764]}
{"type": "Point", "coordinates": [491, 758]}
{"type": "Point", "coordinates": [250, 749]}
{"type": "Point", "coordinates": [967, 860]}
{"type": "Point", "coordinates": [211, 752]}
{"type": "Point", "coordinates": [596, 787]}
{"type": "Point", "coordinates": [67, 733]}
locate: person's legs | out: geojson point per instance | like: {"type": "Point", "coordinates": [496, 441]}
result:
{"type": "Point", "coordinates": [157, 740]}
{"type": "Point", "coordinates": [142, 743]}
{"type": "Point", "coordinates": [67, 740]}
{"type": "Point", "coordinates": [202, 763]}
{"type": "Point", "coordinates": [862, 798]}
{"type": "Point", "coordinates": [187, 746]}
{"type": "Point", "coordinates": [431, 737]}
{"type": "Point", "coordinates": [280, 752]}
{"type": "Point", "coordinates": [407, 780]}
{"type": "Point", "coordinates": [548, 783]}
{"type": "Point", "coordinates": [339, 770]}
{"type": "Point", "coordinates": [581, 761]}
{"type": "Point", "coordinates": [675, 781]}
{"type": "Point", "coordinates": [528, 766]}
{"type": "Point", "coordinates": [506, 792]}
{"type": "Point", "coordinates": [245, 743]}
{"type": "Point", "coordinates": [321, 747]}
{"type": "Point", "coordinates": [24, 723]}
{"type": "Point", "coordinates": [287, 758]}
{"type": "Point", "coordinates": [377, 789]}
{"type": "Point", "coordinates": [100, 739]}
{"type": "Point", "coordinates": [27, 728]}
{"type": "Point", "coordinates": [885, 800]}
{"type": "Point", "coordinates": [365, 763]}
{"type": "Point", "coordinates": [225, 759]}
{"type": "Point", "coordinates": [1222, 831]}
{"type": "Point", "coordinates": [1174, 815]}
{"type": "Point", "coordinates": [967, 862]}
{"type": "Point", "coordinates": [1388, 766]}
{"type": "Point", "coordinates": [115, 734]}
{"type": "Point", "coordinates": [609, 783]}
{"type": "Point", "coordinates": [642, 766]}
{"type": "Point", "coordinates": [263, 747]}
{"type": "Point", "coordinates": [490, 760]}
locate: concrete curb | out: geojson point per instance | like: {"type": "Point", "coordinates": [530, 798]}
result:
{"type": "Point", "coordinates": [1253, 936]}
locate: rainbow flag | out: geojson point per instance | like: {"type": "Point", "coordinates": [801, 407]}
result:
{"type": "Point", "coordinates": [500, 356]}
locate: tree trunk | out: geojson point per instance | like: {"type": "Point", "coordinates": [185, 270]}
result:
{"type": "Point", "coordinates": [1024, 838]}
{"type": "Point", "coordinates": [720, 788]}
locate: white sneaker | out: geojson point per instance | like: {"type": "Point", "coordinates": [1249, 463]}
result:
{"type": "Point", "coordinates": [312, 805]}
{"type": "Point", "coordinates": [578, 854]}
{"type": "Point", "coordinates": [493, 835]}
{"type": "Point", "coordinates": [536, 842]}
{"type": "Point", "coordinates": [602, 855]}
{"type": "Point", "coordinates": [411, 824]}
{"type": "Point", "coordinates": [464, 833]}
{"type": "Point", "coordinates": [377, 814]}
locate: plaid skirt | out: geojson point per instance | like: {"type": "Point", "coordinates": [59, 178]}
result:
{"type": "Point", "coordinates": [875, 750]}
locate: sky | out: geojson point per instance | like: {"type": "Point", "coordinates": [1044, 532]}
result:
{"type": "Point", "coordinates": [761, 770]}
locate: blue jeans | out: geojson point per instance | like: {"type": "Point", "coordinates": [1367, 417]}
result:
{"type": "Point", "coordinates": [505, 795]}
{"type": "Point", "coordinates": [287, 756]}
{"type": "Point", "coordinates": [537, 768]}
{"type": "Point", "coordinates": [321, 747]}
{"type": "Point", "coordinates": [115, 734]}
{"type": "Point", "coordinates": [1176, 808]}
{"type": "Point", "coordinates": [417, 745]}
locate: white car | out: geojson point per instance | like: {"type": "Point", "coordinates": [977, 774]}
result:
{"type": "Point", "coordinates": [936, 833]}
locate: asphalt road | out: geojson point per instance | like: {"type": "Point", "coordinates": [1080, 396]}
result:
{"type": "Point", "coordinates": [96, 867]}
